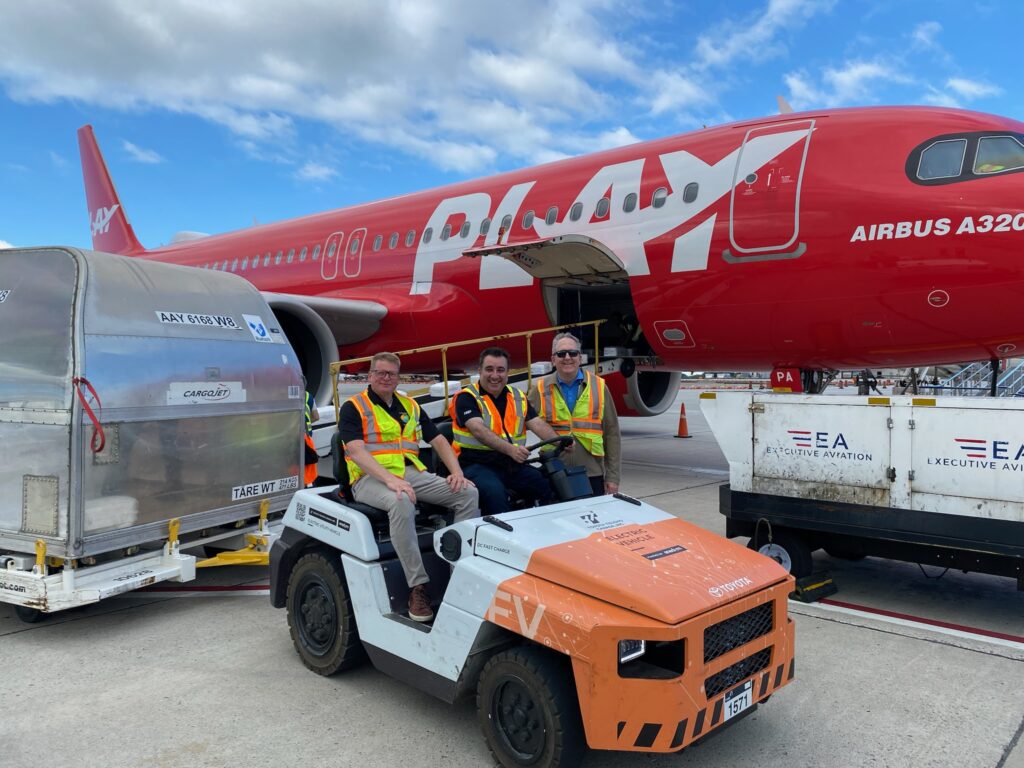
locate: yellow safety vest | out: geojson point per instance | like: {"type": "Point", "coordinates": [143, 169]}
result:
{"type": "Point", "coordinates": [386, 439]}
{"type": "Point", "coordinates": [511, 424]}
{"type": "Point", "coordinates": [584, 423]}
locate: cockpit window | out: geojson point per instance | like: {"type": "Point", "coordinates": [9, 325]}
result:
{"type": "Point", "coordinates": [998, 153]}
{"type": "Point", "coordinates": [942, 159]}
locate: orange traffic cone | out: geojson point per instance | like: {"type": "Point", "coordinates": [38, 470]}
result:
{"type": "Point", "coordinates": [683, 431]}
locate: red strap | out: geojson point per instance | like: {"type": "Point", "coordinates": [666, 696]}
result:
{"type": "Point", "coordinates": [98, 438]}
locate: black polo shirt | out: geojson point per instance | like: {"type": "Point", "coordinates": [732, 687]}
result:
{"type": "Point", "coordinates": [350, 424]}
{"type": "Point", "coordinates": [466, 408]}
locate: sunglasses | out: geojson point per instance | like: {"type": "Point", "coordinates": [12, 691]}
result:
{"type": "Point", "coordinates": [567, 353]}
{"type": "Point", "coordinates": [385, 374]}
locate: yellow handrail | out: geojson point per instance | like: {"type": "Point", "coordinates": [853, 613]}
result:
{"type": "Point", "coordinates": [443, 349]}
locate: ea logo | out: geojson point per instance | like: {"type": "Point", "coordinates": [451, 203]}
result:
{"type": "Point", "coordinates": [938, 298]}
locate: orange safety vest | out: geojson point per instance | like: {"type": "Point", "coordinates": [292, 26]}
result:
{"type": "Point", "coordinates": [310, 472]}
{"type": "Point", "coordinates": [584, 423]}
{"type": "Point", "coordinates": [510, 425]}
{"type": "Point", "coordinates": [387, 440]}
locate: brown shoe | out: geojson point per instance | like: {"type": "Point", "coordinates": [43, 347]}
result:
{"type": "Point", "coordinates": [419, 604]}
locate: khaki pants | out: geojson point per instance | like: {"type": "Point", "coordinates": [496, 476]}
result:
{"type": "Point", "coordinates": [401, 513]}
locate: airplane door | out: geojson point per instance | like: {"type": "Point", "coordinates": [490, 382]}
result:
{"type": "Point", "coordinates": [332, 249]}
{"type": "Point", "coordinates": [354, 253]}
{"type": "Point", "coordinates": [764, 206]}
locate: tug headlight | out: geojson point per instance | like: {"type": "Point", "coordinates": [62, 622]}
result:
{"type": "Point", "coordinates": [631, 649]}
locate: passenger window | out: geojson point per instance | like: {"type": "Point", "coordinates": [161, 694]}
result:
{"type": "Point", "coordinates": [427, 234]}
{"type": "Point", "coordinates": [576, 211]}
{"type": "Point", "coordinates": [291, 255]}
{"type": "Point", "coordinates": [277, 258]}
{"type": "Point", "coordinates": [998, 153]}
{"type": "Point", "coordinates": [330, 250]}
{"type": "Point", "coordinates": [353, 247]}
{"type": "Point", "coordinates": [659, 197]}
{"type": "Point", "coordinates": [551, 216]}
{"type": "Point", "coordinates": [316, 252]}
{"type": "Point", "coordinates": [629, 203]}
{"type": "Point", "coordinates": [690, 192]}
{"type": "Point", "coordinates": [266, 260]}
{"type": "Point", "coordinates": [302, 254]}
{"type": "Point", "coordinates": [245, 263]}
{"type": "Point", "coordinates": [464, 232]}
{"type": "Point", "coordinates": [527, 219]}
{"type": "Point", "coordinates": [485, 226]}
{"type": "Point", "coordinates": [602, 207]}
{"type": "Point", "coordinates": [942, 160]}
{"type": "Point", "coordinates": [410, 237]}
{"type": "Point", "coordinates": [506, 224]}
{"type": "Point", "coordinates": [378, 241]}
{"type": "Point", "coordinates": [234, 265]}
{"type": "Point", "coordinates": [255, 261]}
{"type": "Point", "coordinates": [393, 240]}
{"type": "Point", "coordinates": [446, 231]}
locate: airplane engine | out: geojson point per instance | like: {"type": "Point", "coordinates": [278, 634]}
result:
{"type": "Point", "coordinates": [312, 341]}
{"type": "Point", "coordinates": [645, 393]}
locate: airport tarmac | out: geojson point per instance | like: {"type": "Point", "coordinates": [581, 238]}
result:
{"type": "Point", "coordinates": [904, 667]}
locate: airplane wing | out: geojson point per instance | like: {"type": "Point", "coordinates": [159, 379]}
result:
{"type": "Point", "coordinates": [350, 320]}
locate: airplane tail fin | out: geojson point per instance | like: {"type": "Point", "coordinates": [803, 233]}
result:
{"type": "Point", "coordinates": [111, 231]}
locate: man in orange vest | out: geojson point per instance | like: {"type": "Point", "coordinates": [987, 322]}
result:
{"type": "Point", "coordinates": [579, 404]}
{"type": "Point", "coordinates": [489, 423]}
{"type": "Point", "coordinates": [382, 430]}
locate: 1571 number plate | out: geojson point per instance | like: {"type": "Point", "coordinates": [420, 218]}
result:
{"type": "Point", "coordinates": [738, 699]}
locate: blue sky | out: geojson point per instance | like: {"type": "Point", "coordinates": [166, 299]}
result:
{"type": "Point", "coordinates": [214, 114]}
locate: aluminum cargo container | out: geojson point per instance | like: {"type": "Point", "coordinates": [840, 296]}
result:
{"type": "Point", "coordinates": [132, 393]}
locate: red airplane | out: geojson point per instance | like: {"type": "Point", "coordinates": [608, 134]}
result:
{"type": "Point", "coordinates": [851, 238]}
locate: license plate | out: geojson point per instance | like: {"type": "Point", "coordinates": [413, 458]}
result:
{"type": "Point", "coordinates": [738, 699]}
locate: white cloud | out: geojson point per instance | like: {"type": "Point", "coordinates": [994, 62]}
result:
{"type": "Point", "coordinates": [313, 171]}
{"type": "Point", "coordinates": [924, 34]}
{"type": "Point", "coordinates": [140, 155]}
{"type": "Point", "coordinates": [5, 244]}
{"type": "Point", "coordinates": [756, 37]}
{"type": "Point", "coordinates": [58, 160]}
{"type": "Point", "coordinates": [972, 89]}
{"type": "Point", "coordinates": [855, 83]}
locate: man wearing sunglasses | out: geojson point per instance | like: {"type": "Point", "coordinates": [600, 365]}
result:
{"type": "Point", "coordinates": [382, 430]}
{"type": "Point", "coordinates": [578, 404]}
{"type": "Point", "coordinates": [489, 423]}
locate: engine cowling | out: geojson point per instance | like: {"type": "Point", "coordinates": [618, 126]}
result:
{"type": "Point", "coordinates": [313, 342]}
{"type": "Point", "coordinates": [645, 393]}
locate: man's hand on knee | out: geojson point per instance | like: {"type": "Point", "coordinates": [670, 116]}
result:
{"type": "Point", "coordinates": [400, 486]}
{"type": "Point", "coordinates": [458, 482]}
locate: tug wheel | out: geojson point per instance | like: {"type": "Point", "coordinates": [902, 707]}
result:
{"type": "Point", "coordinates": [320, 616]}
{"type": "Point", "coordinates": [788, 550]}
{"type": "Point", "coordinates": [527, 707]}
{"type": "Point", "coordinates": [28, 615]}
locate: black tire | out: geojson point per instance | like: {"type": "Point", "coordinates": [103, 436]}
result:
{"type": "Point", "coordinates": [320, 616]}
{"type": "Point", "coordinates": [527, 707]}
{"type": "Point", "coordinates": [787, 549]}
{"type": "Point", "coordinates": [28, 615]}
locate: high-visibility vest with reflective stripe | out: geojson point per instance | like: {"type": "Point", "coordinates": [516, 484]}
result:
{"type": "Point", "coordinates": [309, 413]}
{"type": "Point", "coordinates": [584, 423]}
{"type": "Point", "coordinates": [510, 425]}
{"type": "Point", "coordinates": [386, 439]}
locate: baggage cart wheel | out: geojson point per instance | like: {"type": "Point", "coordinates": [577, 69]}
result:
{"type": "Point", "coordinates": [787, 549]}
{"type": "Point", "coordinates": [28, 615]}
{"type": "Point", "coordinates": [320, 616]}
{"type": "Point", "coordinates": [527, 707]}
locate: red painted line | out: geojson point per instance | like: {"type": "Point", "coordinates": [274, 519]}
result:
{"type": "Point", "coordinates": [922, 620]}
{"type": "Point", "coordinates": [236, 588]}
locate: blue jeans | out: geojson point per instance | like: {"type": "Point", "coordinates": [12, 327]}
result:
{"type": "Point", "coordinates": [493, 483]}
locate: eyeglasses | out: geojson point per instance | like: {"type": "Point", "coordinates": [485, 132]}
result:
{"type": "Point", "coordinates": [567, 353]}
{"type": "Point", "coordinates": [385, 374]}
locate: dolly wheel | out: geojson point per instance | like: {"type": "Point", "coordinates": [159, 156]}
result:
{"type": "Point", "coordinates": [320, 616]}
{"type": "Point", "coordinates": [788, 550]}
{"type": "Point", "coordinates": [527, 707]}
{"type": "Point", "coordinates": [28, 615]}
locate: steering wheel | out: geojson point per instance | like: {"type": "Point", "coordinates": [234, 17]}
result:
{"type": "Point", "coordinates": [562, 443]}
